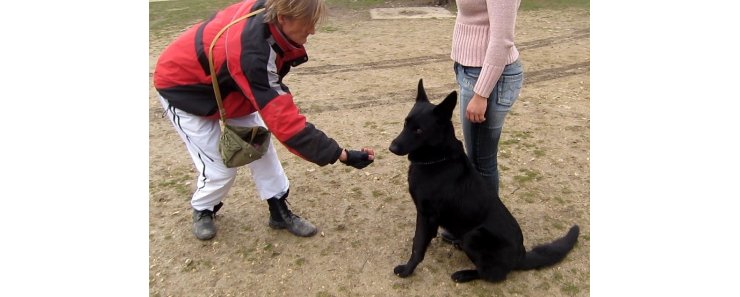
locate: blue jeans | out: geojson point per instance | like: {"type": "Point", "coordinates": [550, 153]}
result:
{"type": "Point", "coordinates": [481, 139]}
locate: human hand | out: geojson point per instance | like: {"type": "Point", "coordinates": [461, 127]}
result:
{"type": "Point", "coordinates": [476, 111]}
{"type": "Point", "coordinates": [357, 159]}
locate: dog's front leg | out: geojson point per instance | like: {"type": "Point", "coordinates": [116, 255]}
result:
{"type": "Point", "coordinates": [426, 229]}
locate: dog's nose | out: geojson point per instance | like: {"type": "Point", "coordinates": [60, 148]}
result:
{"type": "Point", "coordinates": [394, 148]}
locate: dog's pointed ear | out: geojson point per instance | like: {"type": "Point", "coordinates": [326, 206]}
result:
{"type": "Point", "coordinates": [445, 108]}
{"type": "Point", "coordinates": [421, 95]}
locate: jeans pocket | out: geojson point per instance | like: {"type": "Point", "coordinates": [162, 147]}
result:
{"type": "Point", "coordinates": [509, 87]}
{"type": "Point", "coordinates": [471, 72]}
{"type": "Point", "coordinates": [469, 76]}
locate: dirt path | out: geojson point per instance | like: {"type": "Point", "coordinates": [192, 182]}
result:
{"type": "Point", "coordinates": [357, 87]}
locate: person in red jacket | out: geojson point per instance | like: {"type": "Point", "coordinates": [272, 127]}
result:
{"type": "Point", "coordinates": [251, 58]}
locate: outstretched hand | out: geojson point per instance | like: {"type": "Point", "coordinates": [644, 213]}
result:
{"type": "Point", "coordinates": [358, 159]}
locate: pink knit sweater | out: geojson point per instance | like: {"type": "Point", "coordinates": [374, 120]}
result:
{"type": "Point", "coordinates": [484, 37]}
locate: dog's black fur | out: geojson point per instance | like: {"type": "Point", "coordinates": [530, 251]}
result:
{"type": "Point", "coordinates": [449, 192]}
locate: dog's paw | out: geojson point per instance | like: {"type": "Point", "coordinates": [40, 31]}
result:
{"type": "Point", "coordinates": [463, 276]}
{"type": "Point", "coordinates": [402, 271]}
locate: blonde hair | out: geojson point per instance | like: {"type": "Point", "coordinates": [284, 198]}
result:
{"type": "Point", "coordinates": [312, 10]}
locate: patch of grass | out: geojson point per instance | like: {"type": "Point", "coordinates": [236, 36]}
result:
{"type": "Point", "coordinates": [173, 16]}
{"type": "Point", "coordinates": [559, 200]}
{"type": "Point", "coordinates": [356, 4]}
{"type": "Point", "coordinates": [557, 276]}
{"type": "Point", "coordinates": [245, 252]}
{"type": "Point", "coordinates": [516, 290]}
{"type": "Point", "coordinates": [356, 192]}
{"type": "Point", "coordinates": [300, 261]}
{"type": "Point", "coordinates": [480, 290]}
{"type": "Point", "coordinates": [400, 285]}
{"type": "Point", "coordinates": [377, 193]}
{"type": "Point", "coordinates": [315, 108]}
{"type": "Point", "coordinates": [325, 252]}
{"type": "Point", "coordinates": [324, 294]}
{"type": "Point", "coordinates": [553, 4]}
{"type": "Point", "coordinates": [528, 197]}
{"type": "Point", "coordinates": [543, 286]}
{"type": "Point", "coordinates": [539, 152]}
{"type": "Point", "coordinates": [509, 141]}
{"type": "Point", "coordinates": [328, 29]}
{"type": "Point", "coordinates": [498, 292]}
{"type": "Point", "coordinates": [516, 137]}
{"type": "Point", "coordinates": [169, 17]}
{"type": "Point", "coordinates": [526, 176]}
{"type": "Point", "coordinates": [521, 134]}
{"type": "Point", "coordinates": [570, 289]}
{"type": "Point", "coordinates": [177, 181]}
{"type": "Point", "coordinates": [558, 225]}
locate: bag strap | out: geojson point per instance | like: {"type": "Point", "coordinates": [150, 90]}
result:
{"type": "Point", "coordinates": [214, 79]}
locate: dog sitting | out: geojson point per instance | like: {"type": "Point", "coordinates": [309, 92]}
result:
{"type": "Point", "coordinates": [449, 192]}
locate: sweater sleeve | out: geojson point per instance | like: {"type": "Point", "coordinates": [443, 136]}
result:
{"type": "Point", "coordinates": [499, 53]}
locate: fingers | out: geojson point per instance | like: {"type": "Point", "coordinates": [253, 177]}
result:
{"type": "Point", "coordinates": [474, 117]}
{"type": "Point", "coordinates": [476, 110]}
{"type": "Point", "coordinates": [370, 152]}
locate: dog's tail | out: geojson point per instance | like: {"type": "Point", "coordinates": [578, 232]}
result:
{"type": "Point", "coordinates": [551, 253]}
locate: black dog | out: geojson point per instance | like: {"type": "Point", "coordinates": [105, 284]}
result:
{"type": "Point", "coordinates": [449, 192]}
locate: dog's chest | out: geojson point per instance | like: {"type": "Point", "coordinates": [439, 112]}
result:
{"type": "Point", "coordinates": [436, 183]}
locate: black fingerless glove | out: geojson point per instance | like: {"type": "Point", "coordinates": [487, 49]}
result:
{"type": "Point", "coordinates": [357, 159]}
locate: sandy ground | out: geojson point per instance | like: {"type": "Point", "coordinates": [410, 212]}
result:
{"type": "Point", "coordinates": [357, 87]}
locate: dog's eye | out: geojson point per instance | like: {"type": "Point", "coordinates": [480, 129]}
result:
{"type": "Point", "coordinates": [418, 131]}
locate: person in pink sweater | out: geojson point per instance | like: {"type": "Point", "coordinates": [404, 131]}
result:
{"type": "Point", "coordinates": [490, 77]}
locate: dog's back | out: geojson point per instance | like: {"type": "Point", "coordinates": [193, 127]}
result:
{"type": "Point", "coordinates": [449, 192]}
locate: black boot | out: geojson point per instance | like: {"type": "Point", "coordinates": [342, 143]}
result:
{"type": "Point", "coordinates": [282, 218]}
{"type": "Point", "coordinates": [204, 227]}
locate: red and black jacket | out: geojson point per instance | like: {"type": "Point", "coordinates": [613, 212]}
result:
{"type": "Point", "coordinates": [251, 58]}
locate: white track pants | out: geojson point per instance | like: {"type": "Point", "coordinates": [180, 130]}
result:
{"type": "Point", "coordinates": [201, 137]}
